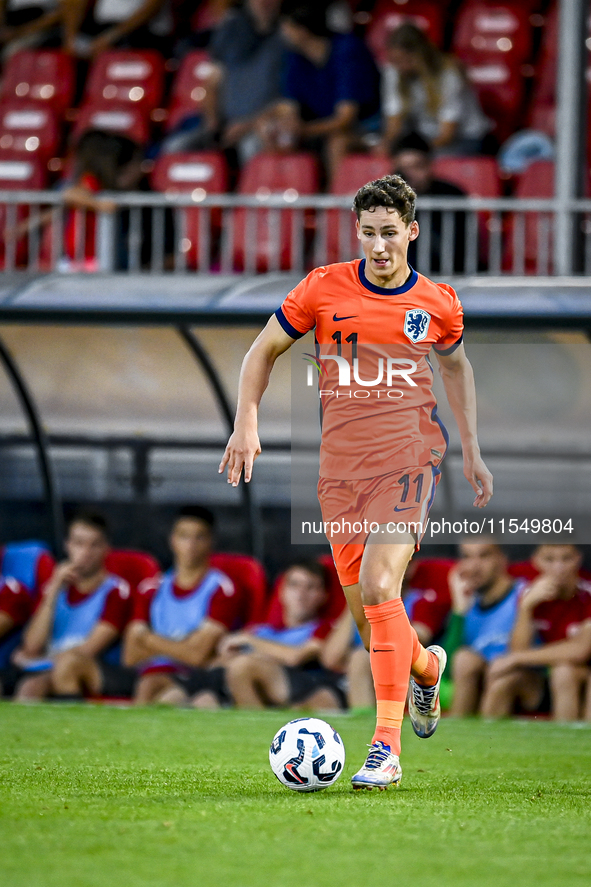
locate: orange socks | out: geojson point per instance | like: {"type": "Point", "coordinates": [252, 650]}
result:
{"type": "Point", "coordinates": [391, 655]}
{"type": "Point", "coordinates": [394, 649]}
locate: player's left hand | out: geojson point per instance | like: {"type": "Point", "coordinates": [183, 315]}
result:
{"type": "Point", "coordinates": [480, 479]}
{"type": "Point", "coordinates": [235, 643]}
{"type": "Point", "coordinates": [503, 665]}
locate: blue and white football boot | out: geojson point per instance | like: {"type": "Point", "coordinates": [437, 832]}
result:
{"type": "Point", "coordinates": [381, 769]}
{"type": "Point", "coordinates": [423, 702]}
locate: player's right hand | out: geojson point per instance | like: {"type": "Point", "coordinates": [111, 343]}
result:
{"type": "Point", "coordinates": [65, 573]}
{"type": "Point", "coordinates": [542, 589]}
{"type": "Point", "coordinates": [243, 448]}
{"type": "Point", "coordinates": [461, 588]}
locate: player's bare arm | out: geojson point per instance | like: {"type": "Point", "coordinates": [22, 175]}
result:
{"type": "Point", "coordinates": [38, 631]}
{"type": "Point", "coordinates": [282, 653]}
{"type": "Point", "coordinates": [134, 648]}
{"type": "Point", "coordinates": [244, 445]}
{"type": "Point", "coordinates": [575, 650]}
{"type": "Point", "coordinates": [195, 650]}
{"type": "Point", "coordinates": [100, 638]}
{"type": "Point", "coordinates": [458, 380]}
{"type": "Point", "coordinates": [542, 589]}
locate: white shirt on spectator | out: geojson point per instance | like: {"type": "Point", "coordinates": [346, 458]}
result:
{"type": "Point", "coordinates": [459, 104]}
{"type": "Point", "coordinates": [110, 11]}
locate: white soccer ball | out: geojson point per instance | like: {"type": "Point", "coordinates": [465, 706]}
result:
{"type": "Point", "coordinates": [307, 755]}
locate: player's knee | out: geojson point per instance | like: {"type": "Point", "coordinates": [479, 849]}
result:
{"type": "Point", "coordinates": [68, 662]}
{"type": "Point", "coordinates": [507, 683]}
{"type": "Point", "coordinates": [379, 586]}
{"type": "Point", "coordinates": [466, 665]}
{"type": "Point", "coordinates": [241, 667]}
{"type": "Point", "coordinates": [31, 688]}
{"type": "Point", "coordinates": [563, 676]}
{"type": "Point", "coordinates": [147, 684]}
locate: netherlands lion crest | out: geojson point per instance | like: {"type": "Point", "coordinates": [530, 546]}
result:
{"type": "Point", "coordinates": [416, 324]}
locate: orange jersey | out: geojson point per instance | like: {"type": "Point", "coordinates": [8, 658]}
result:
{"type": "Point", "coordinates": [378, 408]}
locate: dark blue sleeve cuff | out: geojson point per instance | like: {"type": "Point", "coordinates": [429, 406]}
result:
{"type": "Point", "coordinates": [445, 351]}
{"type": "Point", "coordinates": [289, 329]}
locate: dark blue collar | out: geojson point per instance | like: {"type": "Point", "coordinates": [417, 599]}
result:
{"type": "Point", "coordinates": [384, 290]}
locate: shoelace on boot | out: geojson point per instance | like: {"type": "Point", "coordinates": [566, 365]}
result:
{"type": "Point", "coordinates": [423, 698]}
{"type": "Point", "coordinates": [376, 757]}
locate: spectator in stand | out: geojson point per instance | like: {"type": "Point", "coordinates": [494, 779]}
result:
{"type": "Point", "coordinates": [247, 54]}
{"type": "Point", "coordinates": [279, 662]}
{"type": "Point", "coordinates": [104, 162]}
{"type": "Point", "coordinates": [71, 645]}
{"type": "Point", "coordinates": [330, 89]}
{"type": "Point", "coordinates": [29, 23]}
{"type": "Point", "coordinates": [180, 618]}
{"type": "Point", "coordinates": [413, 160]}
{"type": "Point", "coordinates": [425, 91]}
{"type": "Point", "coordinates": [552, 631]}
{"type": "Point", "coordinates": [92, 28]}
{"type": "Point", "coordinates": [485, 599]}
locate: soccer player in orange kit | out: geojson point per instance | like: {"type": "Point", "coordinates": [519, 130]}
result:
{"type": "Point", "coordinates": [374, 463]}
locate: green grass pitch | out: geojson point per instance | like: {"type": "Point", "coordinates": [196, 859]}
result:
{"type": "Point", "coordinates": [92, 796]}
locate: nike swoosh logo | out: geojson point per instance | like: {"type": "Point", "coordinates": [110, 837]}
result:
{"type": "Point", "coordinates": [408, 508]}
{"type": "Point", "coordinates": [348, 317]}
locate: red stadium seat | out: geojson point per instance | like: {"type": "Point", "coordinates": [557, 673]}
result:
{"type": "Point", "coordinates": [28, 129]}
{"type": "Point", "coordinates": [125, 119]}
{"type": "Point", "coordinates": [197, 173]}
{"type": "Point", "coordinates": [127, 76]}
{"type": "Point", "coordinates": [486, 30]}
{"type": "Point", "coordinates": [17, 174]}
{"type": "Point", "coordinates": [41, 76]}
{"type": "Point", "coordinates": [262, 238]}
{"type": "Point", "coordinates": [354, 171]}
{"type": "Point", "coordinates": [357, 169]}
{"type": "Point", "coordinates": [387, 15]}
{"type": "Point", "coordinates": [543, 118]}
{"type": "Point", "coordinates": [477, 176]}
{"type": "Point", "coordinates": [536, 181]}
{"type": "Point", "coordinates": [133, 566]}
{"type": "Point", "coordinates": [335, 603]}
{"type": "Point", "coordinates": [188, 88]}
{"type": "Point", "coordinates": [500, 88]}
{"type": "Point", "coordinates": [250, 581]}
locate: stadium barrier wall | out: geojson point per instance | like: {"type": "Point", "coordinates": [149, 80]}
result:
{"type": "Point", "coordinates": [282, 232]}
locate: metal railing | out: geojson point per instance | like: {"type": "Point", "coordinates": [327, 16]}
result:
{"type": "Point", "coordinates": [153, 233]}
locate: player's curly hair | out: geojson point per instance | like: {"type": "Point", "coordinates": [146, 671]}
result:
{"type": "Point", "coordinates": [391, 191]}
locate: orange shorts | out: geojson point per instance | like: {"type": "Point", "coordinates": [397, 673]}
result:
{"type": "Point", "coordinates": [354, 509]}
